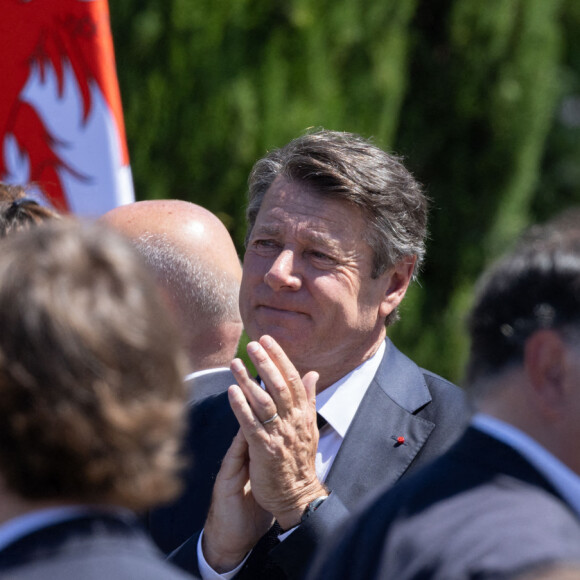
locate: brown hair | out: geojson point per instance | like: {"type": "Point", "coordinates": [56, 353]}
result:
{"type": "Point", "coordinates": [91, 375]}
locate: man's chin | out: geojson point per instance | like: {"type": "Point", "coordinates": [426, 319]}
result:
{"type": "Point", "coordinates": [291, 342]}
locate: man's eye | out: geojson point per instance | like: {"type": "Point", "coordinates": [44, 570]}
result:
{"type": "Point", "coordinates": [264, 243]}
{"type": "Point", "coordinates": [322, 257]}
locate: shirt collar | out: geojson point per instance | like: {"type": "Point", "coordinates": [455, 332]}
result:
{"type": "Point", "coordinates": [20, 526]}
{"type": "Point", "coordinates": [566, 481]}
{"type": "Point", "coordinates": [205, 372]}
{"type": "Point", "coordinates": [339, 403]}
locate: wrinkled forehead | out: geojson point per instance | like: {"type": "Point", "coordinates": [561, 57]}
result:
{"type": "Point", "coordinates": [300, 206]}
{"type": "Point", "coordinates": [302, 217]}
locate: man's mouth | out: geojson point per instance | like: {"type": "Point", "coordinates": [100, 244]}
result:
{"type": "Point", "coordinates": [280, 310]}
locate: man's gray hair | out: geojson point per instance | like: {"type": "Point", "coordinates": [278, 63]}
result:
{"type": "Point", "coordinates": [348, 167]}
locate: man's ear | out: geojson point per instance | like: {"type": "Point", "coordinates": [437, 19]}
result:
{"type": "Point", "coordinates": [398, 280]}
{"type": "Point", "coordinates": [545, 365]}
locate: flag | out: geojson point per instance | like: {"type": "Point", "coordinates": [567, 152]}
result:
{"type": "Point", "coordinates": [61, 118]}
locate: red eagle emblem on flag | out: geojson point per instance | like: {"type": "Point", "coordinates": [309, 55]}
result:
{"type": "Point", "coordinates": [61, 120]}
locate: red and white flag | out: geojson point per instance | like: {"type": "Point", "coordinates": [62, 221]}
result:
{"type": "Point", "coordinates": [61, 119]}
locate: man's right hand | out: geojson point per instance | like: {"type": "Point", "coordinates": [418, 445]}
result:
{"type": "Point", "coordinates": [279, 425]}
{"type": "Point", "coordinates": [235, 521]}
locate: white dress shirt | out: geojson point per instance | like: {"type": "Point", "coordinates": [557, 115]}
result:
{"type": "Point", "coordinates": [338, 404]}
{"type": "Point", "coordinates": [564, 480]}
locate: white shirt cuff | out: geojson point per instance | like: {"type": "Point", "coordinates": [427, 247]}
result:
{"type": "Point", "coordinates": [207, 572]}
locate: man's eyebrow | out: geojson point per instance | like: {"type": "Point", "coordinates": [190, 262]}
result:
{"type": "Point", "coordinates": [268, 230]}
{"type": "Point", "coordinates": [321, 239]}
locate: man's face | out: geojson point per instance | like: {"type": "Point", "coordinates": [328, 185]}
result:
{"type": "Point", "coordinates": [307, 282]}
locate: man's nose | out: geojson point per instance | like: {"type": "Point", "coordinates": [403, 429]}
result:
{"type": "Point", "coordinates": [283, 273]}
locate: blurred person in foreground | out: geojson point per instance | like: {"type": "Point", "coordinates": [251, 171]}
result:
{"type": "Point", "coordinates": [91, 399]}
{"type": "Point", "coordinates": [19, 211]}
{"type": "Point", "coordinates": [506, 497]}
{"type": "Point", "coordinates": [195, 260]}
{"type": "Point", "coordinates": [336, 230]}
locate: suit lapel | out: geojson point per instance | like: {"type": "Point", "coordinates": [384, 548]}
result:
{"type": "Point", "coordinates": [370, 453]}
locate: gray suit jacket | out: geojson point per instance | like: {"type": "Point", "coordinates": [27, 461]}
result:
{"type": "Point", "coordinates": [86, 548]}
{"type": "Point", "coordinates": [402, 400]}
{"type": "Point", "coordinates": [213, 383]}
{"type": "Point", "coordinates": [480, 511]}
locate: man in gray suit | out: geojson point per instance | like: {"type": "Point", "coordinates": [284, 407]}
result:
{"type": "Point", "coordinates": [506, 498]}
{"type": "Point", "coordinates": [92, 406]}
{"type": "Point", "coordinates": [336, 231]}
{"type": "Point", "coordinates": [196, 263]}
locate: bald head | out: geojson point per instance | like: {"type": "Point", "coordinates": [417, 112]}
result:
{"type": "Point", "coordinates": [196, 262]}
{"type": "Point", "coordinates": [189, 227]}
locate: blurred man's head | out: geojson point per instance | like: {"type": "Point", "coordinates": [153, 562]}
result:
{"type": "Point", "coordinates": [91, 371]}
{"type": "Point", "coordinates": [524, 364]}
{"type": "Point", "coordinates": [195, 261]}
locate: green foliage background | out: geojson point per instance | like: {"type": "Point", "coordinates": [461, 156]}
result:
{"type": "Point", "coordinates": [481, 98]}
